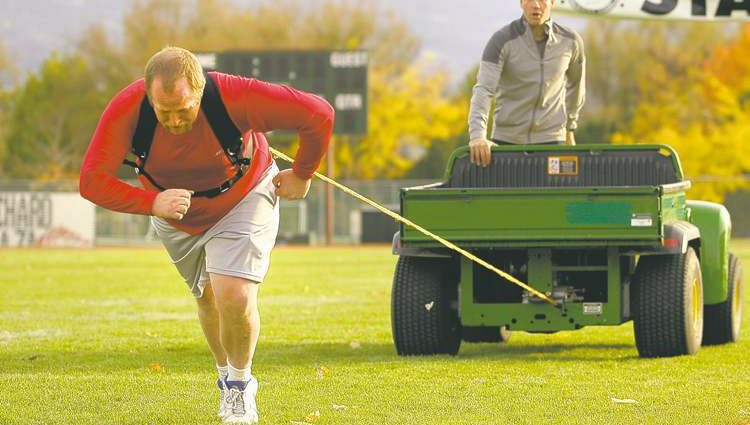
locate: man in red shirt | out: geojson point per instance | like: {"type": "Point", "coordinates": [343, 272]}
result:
{"type": "Point", "coordinates": [220, 245]}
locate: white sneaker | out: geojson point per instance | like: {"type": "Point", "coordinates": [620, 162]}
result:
{"type": "Point", "coordinates": [240, 402]}
{"type": "Point", "coordinates": [223, 407]}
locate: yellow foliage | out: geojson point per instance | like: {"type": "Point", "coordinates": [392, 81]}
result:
{"type": "Point", "coordinates": [408, 112]}
{"type": "Point", "coordinates": [703, 111]}
{"type": "Point", "coordinates": [713, 160]}
{"type": "Point", "coordinates": [731, 63]}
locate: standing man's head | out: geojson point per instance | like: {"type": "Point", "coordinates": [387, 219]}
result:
{"type": "Point", "coordinates": [537, 12]}
{"type": "Point", "coordinates": [174, 84]}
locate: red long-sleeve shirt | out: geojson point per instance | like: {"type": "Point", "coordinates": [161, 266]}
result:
{"type": "Point", "coordinates": [195, 160]}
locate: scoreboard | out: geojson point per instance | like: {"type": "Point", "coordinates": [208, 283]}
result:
{"type": "Point", "coordinates": [339, 76]}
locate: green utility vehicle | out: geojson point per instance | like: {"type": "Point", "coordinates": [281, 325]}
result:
{"type": "Point", "coordinates": [604, 231]}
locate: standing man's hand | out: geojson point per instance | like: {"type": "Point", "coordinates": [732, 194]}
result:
{"type": "Point", "coordinates": [480, 151]}
{"type": "Point", "coordinates": [289, 186]}
{"type": "Point", "coordinates": [172, 203]}
{"type": "Point", "coordinates": [570, 138]}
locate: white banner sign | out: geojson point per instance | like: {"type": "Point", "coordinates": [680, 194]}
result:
{"type": "Point", "coordinates": [54, 219]}
{"type": "Point", "coordinates": [699, 10]}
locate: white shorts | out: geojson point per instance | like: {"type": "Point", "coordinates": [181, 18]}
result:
{"type": "Point", "coordinates": [238, 245]}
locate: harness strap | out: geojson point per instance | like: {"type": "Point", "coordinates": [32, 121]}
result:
{"type": "Point", "coordinates": [218, 118]}
{"type": "Point", "coordinates": [208, 193]}
{"type": "Point", "coordinates": [226, 132]}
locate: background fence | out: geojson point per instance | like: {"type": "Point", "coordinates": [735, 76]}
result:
{"type": "Point", "coordinates": [301, 221]}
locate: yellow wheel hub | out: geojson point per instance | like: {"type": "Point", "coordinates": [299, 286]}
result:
{"type": "Point", "coordinates": [736, 299]}
{"type": "Point", "coordinates": [697, 304]}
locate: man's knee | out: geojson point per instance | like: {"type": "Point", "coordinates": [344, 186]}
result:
{"type": "Point", "coordinates": [235, 293]}
{"type": "Point", "coordinates": [206, 302]}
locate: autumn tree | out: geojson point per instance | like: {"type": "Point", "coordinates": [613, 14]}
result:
{"type": "Point", "coordinates": [7, 77]}
{"type": "Point", "coordinates": [631, 62]}
{"type": "Point", "coordinates": [53, 112]}
{"type": "Point", "coordinates": [7, 67]}
{"type": "Point", "coordinates": [293, 24]}
{"type": "Point", "coordinates": [400, 124]}
{"type": "Point", "coordinates": [408, 114]}
{"type": "Point", "coordinates": [613, 50]}
{"type": "Point", "coordinates": [691, 97]}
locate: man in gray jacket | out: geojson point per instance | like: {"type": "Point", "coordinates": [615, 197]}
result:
{"type": "Point", "coordinates": [535, 71]}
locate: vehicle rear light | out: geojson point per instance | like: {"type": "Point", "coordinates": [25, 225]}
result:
{"type": "Point", "coordinates": [671, 243]}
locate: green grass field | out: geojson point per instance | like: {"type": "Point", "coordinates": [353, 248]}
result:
{"type": "Point", "coordinates": [110, 336]}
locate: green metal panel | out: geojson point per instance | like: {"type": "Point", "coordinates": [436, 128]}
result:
{"type": "Point", "coordinates": [716, 227]}
{"type": "Point", "coordinates": [673, 207]}
{"type": "Point", "coordinates": [542, 316]}
{"type": "Point", "coordinates": [599, 212]}
{"type": "Point", "coordinates": [559, 214]}
{"type": "Point", "coordinates": [614, 311]}
{"type": "Point", "coordinates": [540, 269]}
{"type": "Point", "coordinates": [592, 243]}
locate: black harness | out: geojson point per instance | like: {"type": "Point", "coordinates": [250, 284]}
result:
{"type": "Point", "coordinates": [221, 124]}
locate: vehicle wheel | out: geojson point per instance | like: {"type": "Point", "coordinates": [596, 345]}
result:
{"type": "Point", "coordinates": [424, 307]}
{"type": "Point", "coordinates": [485, 334]}
{"type": "Point", "coordinates": [668, 305]}
{"type": "Point", "coordinates": [723, 320]}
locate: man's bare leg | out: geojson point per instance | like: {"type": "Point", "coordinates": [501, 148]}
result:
{"type": "Point", "coordinates": [237, 303]}
{"type": "Point", "coordinates": [208, 315]}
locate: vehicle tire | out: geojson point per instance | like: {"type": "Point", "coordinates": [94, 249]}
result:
{"type": "Point", "coordinates": [424, 307]}
{"type": "Point", "coordinates": [723, 320]}
{"type": "Point", "coordinates": [668, 305]}
{"type": "Point", "coordinates": [485, 333]}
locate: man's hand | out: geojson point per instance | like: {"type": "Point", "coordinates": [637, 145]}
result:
{"type": "Point", "coordinates": [480, 151]}
{"type": "Point", "coordinates": [570, 138]}
{"type": "Point", "coordinates": [172, 203]}
{"type": "Point", "coordinates": [289, 186]}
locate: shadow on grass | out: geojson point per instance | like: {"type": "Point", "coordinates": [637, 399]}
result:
{"type": "Point", "coordinates": [585, 352]}
{"type": "Point", "coordinates": [193, 357]}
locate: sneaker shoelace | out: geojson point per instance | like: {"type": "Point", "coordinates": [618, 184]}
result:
{"type": "Point", "coordinates": [236, 400]}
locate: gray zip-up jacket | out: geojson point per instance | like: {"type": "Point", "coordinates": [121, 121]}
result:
{"type": "Point", "coordinates": [538, 98]}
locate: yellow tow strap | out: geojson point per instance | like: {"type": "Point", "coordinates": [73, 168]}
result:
{"type": "Point", "coordinates": [424, 231]}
